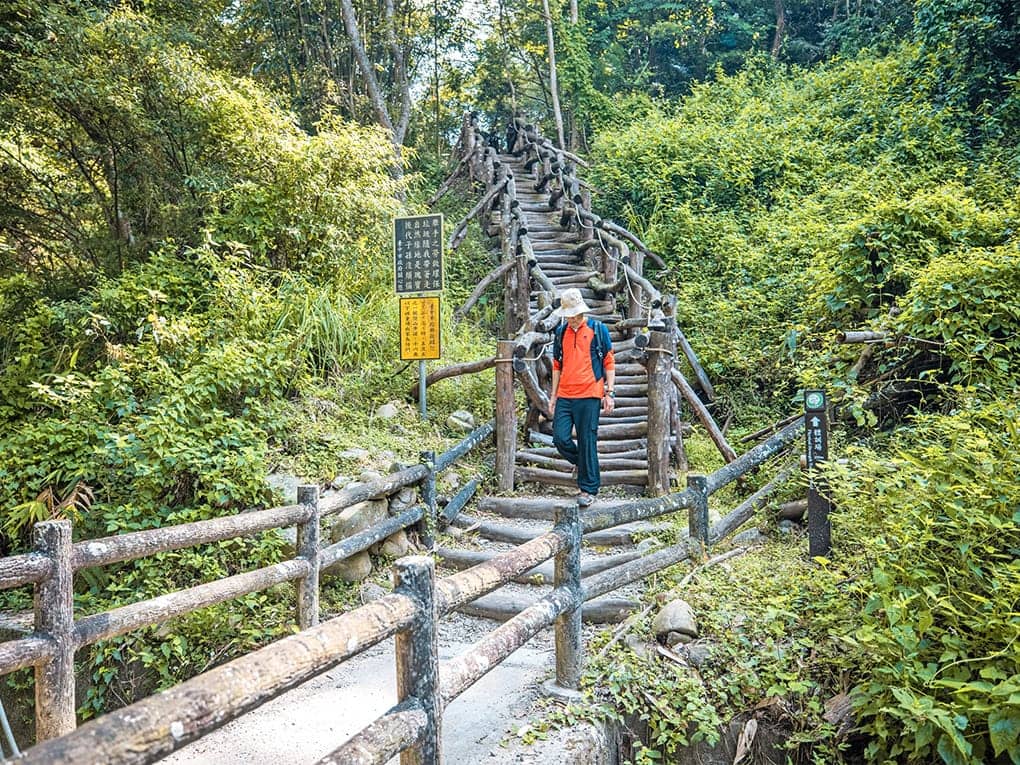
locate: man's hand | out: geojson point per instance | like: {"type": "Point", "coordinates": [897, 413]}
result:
{"type": "Point", "coordinates": [608, 403]}
{"type": "Point", "coordinates": [552, 406]}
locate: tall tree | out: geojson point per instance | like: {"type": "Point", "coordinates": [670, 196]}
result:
{"type": "Point", "coordinates": [554, 89]}
{"type": "Point", "coordinates": [397, 129]}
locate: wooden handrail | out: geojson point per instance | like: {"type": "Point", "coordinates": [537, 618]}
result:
{"type": "Point", "coordinates": [140, 544]}
{"type": "Point", "coordinates": [19, 570]}
{"type": "Point", "coordinates": [118, 621]}
{"type": "Point", "coordinates": [158, 725]}
{"type": "Point", "coordinates": [24, 652]}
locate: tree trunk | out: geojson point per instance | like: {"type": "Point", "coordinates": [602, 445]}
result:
{"type": "Point", "coordinates": [553, 86]}
{"type": "Point", "coordinates": [375, 94]}
{"type": "Point", "coordinates": [777, 41]}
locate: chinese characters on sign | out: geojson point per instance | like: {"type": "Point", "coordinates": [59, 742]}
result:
{"type": "Point", "coordinates": [419, 328]}
{"type": "Point", "coordinates": [418, 253]}
{"type": "Point", "coordinates": [816, 428]}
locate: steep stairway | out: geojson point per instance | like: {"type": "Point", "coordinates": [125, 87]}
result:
{"type": "Point", "coordinates": [622, 445]}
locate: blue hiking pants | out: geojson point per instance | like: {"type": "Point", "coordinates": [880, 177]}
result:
{"type": "Point", "coordinates": [581, 414]}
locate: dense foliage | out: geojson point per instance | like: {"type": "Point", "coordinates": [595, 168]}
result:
{"type": "Point", "coordinates": [195, 290]}
{"type": "Point", "coordinates": [914, 614]}
{"type": "Point", "coordinates": [881, 210]}
{"type": "Point", "coordinates": [793, 205]}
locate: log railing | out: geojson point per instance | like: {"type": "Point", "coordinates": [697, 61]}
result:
{"type": "Point", "coordinates": [52, 566]}
{"type": "Point", "coordinates": [156, 726]}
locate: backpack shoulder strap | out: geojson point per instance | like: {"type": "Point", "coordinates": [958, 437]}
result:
{"type": "Point", "coordinates": [601, 339]}
{"type": "Point", "coordinates": [558, 341]}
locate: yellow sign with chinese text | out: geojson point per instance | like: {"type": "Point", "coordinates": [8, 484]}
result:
{"type": "Point", "coordinates": [419, 328]}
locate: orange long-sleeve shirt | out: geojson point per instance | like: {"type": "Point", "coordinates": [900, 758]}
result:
{"type": "Point", "coordinates": [577, 378]}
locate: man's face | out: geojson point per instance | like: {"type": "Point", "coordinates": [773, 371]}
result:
{"type": "Point", "coordinates": [575, 322]}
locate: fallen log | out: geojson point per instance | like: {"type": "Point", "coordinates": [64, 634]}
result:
{"type": "Point", "coordinates": [863, 336]}
{"type": "Point", "coordinates": [703, 415]}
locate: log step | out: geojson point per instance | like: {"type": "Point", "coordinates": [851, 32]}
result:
{"type": "Point", "coordinates": [625, 534]}
{"type": "Point", "coordinates": [561, 465]}
{"type": "Point", "coordinates": [502, 607]}
{"type": "Point", "coordinates": [543, 574]}
{"type": "Point", "coordinates": [555, 478]}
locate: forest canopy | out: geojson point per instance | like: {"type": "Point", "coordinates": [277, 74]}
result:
{"type": "Point", "coordinates": [195, 289]}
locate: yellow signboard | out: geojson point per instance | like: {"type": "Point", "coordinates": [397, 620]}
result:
{"type": "Point", "coordinates": [419, 328]}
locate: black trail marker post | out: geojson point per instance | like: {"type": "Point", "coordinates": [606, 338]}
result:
{"type": "Point", "coordinates": [418, 268]}
{"type": "Point", "coordinates": [816, 429]}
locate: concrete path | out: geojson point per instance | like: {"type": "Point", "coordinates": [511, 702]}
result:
{"type": "Point", "coordinates": [305, 724]}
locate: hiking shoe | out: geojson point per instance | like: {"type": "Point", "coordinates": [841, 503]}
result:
{"type": "Point", "coordinates": [584, 499]}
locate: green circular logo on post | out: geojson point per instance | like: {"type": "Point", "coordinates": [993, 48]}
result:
{"type": "Point", "coordinates": [814, 399]}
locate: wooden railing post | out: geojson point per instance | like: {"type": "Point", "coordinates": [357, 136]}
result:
{"type": "Point", "coordinates": [567, 574]}
{"type": "Point", "coordinates": [54, 618]}
{"type": "Point", "coordinates": [697, 515]}
{"type": "Point", "coordinates": [428, 524]}
{"type": "Point", "coordinates": [660, 362]}
{"type": "Point", "coordinates": [308, 549]}
{"type": "Point", "coordinates": [636, 296]}
{"type": "Point", "coordinates": [418, 655]}
{"type": "Point", "coordinates": [506, 415]}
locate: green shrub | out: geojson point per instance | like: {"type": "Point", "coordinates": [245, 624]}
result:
{"type": "Point", "coordinates": [935, 530]}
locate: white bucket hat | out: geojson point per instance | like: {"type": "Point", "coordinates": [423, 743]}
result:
{"type": "Point", "coordinates": [571, 303]}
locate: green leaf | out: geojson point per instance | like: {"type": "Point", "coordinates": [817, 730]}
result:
{"type": "Point", "coordinates": [949, 752]}
{"type": "Point", "coordinates": [1004, 731]}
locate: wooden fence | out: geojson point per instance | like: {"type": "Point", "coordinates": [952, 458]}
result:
{"type": "Point", "coordinates": [52, 566]}
{"type": "Point", "coordinates": [158, 725]}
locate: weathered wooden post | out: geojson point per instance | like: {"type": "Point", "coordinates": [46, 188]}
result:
{"type": "Point", "coordinates": [54, 619]}
{"type": "Point", "coordinates": [697, 515]}
{"type": "Point", "coordinates": [506, 415]}
{"type": "Point", "coordinates": [567, 575]}
{"type": "Point", "coordinates": [636, 296]}
{"type": "Point", "coordinates": [675, 426]}
{"type": "Point", "coordinates": [418, 656]}
{"type": "Point", "coordinates": [429, 521]}
{"type": "Point", "coordinates": [659, 363]}
{"type": "Point", "coordinates": [816, 429]}
{"type": "Point", "coordinates": [308, 549]}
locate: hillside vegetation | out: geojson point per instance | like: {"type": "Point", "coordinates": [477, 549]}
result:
{"type": "Point", "coordinates": [793, 205]}
{"type": "Point", "coordinates": [195, 290]}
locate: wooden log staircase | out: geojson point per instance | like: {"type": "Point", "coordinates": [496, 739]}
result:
{"type": "Point", "coordinates": [622, 433]}
{"type": "Point", "coordinates": [537, 213]}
